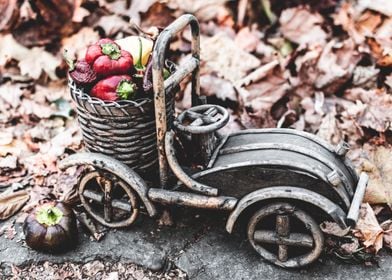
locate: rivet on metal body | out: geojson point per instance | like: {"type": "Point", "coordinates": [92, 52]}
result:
{"type": "Point", "coordinates": [342, 148]}
{"type": "Point", "coordinates": [334, 178]}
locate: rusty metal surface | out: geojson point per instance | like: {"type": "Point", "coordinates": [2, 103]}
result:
{"type": "Point", "coordinates": [180, 173]}
{"type": "Point", "coordinates": [353, 213]}
{"type": "Point", "coordinates": [299, 138]}
{"type": "Point", "coordinates": [188, 66]}
{"type": "Point", "coordinates": [205, 119]}
{"type": "Point", "coordinates": [200, 123]}
{"type": "Point", "coordinates": [342, 148]}
{"type": "Point", "coordinates": [331, 209]}
{"type": "Point", "coordinates": [311, 237]}
{"type": "Point", "coordinates": [245, 176]}
{"type": "Point", "coordinates": [99, 198]}
{"type": "Point", "coordinates": [301, 150]}
{"type": "Point", "coordinates": [119, 169]}
{"type": "Point", "coordinates": [282, 231]}
{"type": "Point", "coordinates": [283, 149]}
{"type": "Point", "coordinates": [107, 185]}
{"type": "Point", "coordinates": [160, 89]}
{"type": "Point", "coordinates": [293, 239]}
{"type": "Point", "coordinates": [163, 196]}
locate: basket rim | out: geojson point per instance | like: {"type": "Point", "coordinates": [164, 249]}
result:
{"type": "Point", "coordinates": [82, 95]}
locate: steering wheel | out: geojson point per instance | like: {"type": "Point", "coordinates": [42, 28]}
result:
{"type": "Point", "coordinates": [202, 119]}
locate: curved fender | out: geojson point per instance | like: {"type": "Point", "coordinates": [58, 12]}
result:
{"type": "Point", "coordinates": [295, 193]}
{"type": "Point", "coordinates": [117, 168]}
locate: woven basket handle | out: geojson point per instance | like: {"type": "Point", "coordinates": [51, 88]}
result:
{"type": "Point", "coordinates": [162, 86]}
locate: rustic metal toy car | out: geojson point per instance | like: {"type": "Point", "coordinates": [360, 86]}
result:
{"type": "Point", "coordinates": [284, 182]}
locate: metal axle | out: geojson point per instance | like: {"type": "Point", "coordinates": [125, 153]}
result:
{"type": "Point", "coordinates": [163, 196]}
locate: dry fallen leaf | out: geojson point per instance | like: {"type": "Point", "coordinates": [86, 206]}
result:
{"type": "Point", "coordinates": [32, 62]}
{"type": "Point", "coordinates": [381, 53]}
{"type": "Point", "coordinates": [350, 248]}
{"type": "Point", "coordinates": [65, 187]}
{"type": "Point", "coordinates": [387, 227]}
{"type": "Point", "coordinates": [204, 10]}
{"type": "Point", "coordinates": [301, 26]}
{"type": "Point", "coordinates": [42, 111]}
{"type": "Point", "coordinates": [76, 44]}
{"type": "Point", "coordinates": [8, 162]}
{"type": "Point", "coordinates": [12, 202]}
{"type": "Point", "coordinates": [336, 64]}
{"type": "Point", "coordinates": [373, 108]}
{"type": "Point", "coordinates": [112, 24]}
{"type": "Point", "coordinates": [220, 55]}
{"type": "Point", "coordinates": [328, 129]}
{"type": "Point", "coordinates": [92, 268]}
{"type": "Point", "coordinates": [358, 27]}
{"type": "Point", "coordinates": [8, 13]}
{"type": "Point", "coordinates": [248, 39]}
{"type": "Point", "coordinates": [79, 12]}
{"type": "Point", "coordinates": [261, 89]}
{"type": "Point", "coordinates": [334, 229]}
{"type": "Point", "coordinates": [381, 6]}
{"type": "Point", "coordinates": [211, 85]}
{"type": "Point", "coordinates": [388, 81]}
{"type": "Point", "coordinates": [368, 230]}
{"type": "Point", "coordinates": [365, 76]}
{"type": "Point", "coordinates": [326, 69]}
{"type": "Point", "coordinates": [378, 166]}
{"type": "Point", "coordinates": [120, 7]}
{"type": "Point", "coordinates": [11, 93]}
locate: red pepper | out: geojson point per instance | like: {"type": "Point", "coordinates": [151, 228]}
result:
{"type": "Point", "coordinates": [114, 88]}
{"type": "Point", "coordinates": [107, 59]}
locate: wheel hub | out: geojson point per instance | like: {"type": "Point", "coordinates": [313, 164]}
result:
{"type": "Point", "coordinates": [108, 199]}
{"type": "Point", "coordinates": [274, 245]}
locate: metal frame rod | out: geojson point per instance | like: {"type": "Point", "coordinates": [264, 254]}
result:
{"type": "Point", "coordinates": [180, 173]}
{"type": "Point", "coordinates": [181, 72]}
{"type": "Point", "coordinates": [163, 196]}
{"type": "Point", "coordinates": [353, 213]}
{"type": "Point", "coordinates": [159, 55]}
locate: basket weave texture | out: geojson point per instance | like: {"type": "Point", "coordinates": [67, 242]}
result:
{"type": "Point", "coordinates": [124, 130]}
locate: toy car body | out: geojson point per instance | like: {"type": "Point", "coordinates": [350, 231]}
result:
{"type": "Point", "coordinates": [285, 182]}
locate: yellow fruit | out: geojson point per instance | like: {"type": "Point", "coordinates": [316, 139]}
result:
{"type": "Point", "coordinates": [132, 45]}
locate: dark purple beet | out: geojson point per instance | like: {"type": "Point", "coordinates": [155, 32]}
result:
{"type": "Point", "coordinates": [83, 74]}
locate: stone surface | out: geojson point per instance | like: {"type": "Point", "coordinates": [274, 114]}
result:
{"type": "Point", "coordinates": [220, 256]}
{"type": "Point", "coordinates": [143, 244]}
{"type": "Point", "coordinates": [198, 245]}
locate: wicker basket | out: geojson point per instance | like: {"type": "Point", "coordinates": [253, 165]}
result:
{"type": "Point", "coordinates": [124, 130]}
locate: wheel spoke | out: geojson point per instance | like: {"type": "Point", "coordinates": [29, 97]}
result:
{"type": "Point", "coordinates": [193, 115]}
{"type": "Point", "coordinates": [107, 202]}
{"type": "Point", "coordinates": [205, 118]}
{"type": "Point", "coordinates": [294, 239]}
{"type": "Point", "coordinates": [122, 205]}
{"type": "Point", "coordinates": [116, 203]}
{"type": "Point", "coordinates": [282, 230]}
{"type": "Point", "coordinates": [100, 181]}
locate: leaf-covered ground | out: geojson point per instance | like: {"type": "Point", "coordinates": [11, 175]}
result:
{"type": "Point", "coordinates": [318, 66]}
{"type": "Point", "coordinates": [91, 270]}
